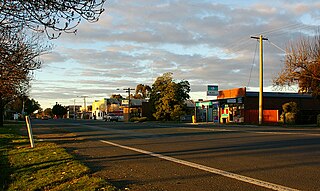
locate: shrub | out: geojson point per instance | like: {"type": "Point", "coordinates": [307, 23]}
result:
{"type": "Point", "coordinates": [289, 113]}
{"type": "Point", "coordinates": [138, 119]}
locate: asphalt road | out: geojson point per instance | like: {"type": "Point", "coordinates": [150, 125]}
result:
{"type": "Point", "coordinates": [155, 156]}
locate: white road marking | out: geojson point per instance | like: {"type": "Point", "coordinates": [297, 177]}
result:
{"type": "Point", "coordinates": [252, 131]}
{"type": "Point", "coordinates": [284, 133]}
{"type": "Point", "coordinates": [207, 169]}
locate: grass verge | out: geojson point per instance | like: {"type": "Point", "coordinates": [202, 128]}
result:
{"type": "Point", "coordinates": [45, 167]}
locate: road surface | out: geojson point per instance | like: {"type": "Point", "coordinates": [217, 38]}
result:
{"type": "Point", "coordinates": [159, 156]}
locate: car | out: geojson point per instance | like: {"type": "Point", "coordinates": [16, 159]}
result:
{"type": "Point", "coordinates": [120, 118]}
{"type": "Point", "coordinates": [111, 117]}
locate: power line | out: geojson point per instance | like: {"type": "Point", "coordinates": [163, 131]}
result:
{"type": "Point", "coordinates": [287, 27]}
{"type": "Point", "coordinates": [254, 57]}
{"type": "Point", "coordinates": [277, 46]}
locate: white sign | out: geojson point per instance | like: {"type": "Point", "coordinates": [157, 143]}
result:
{"type": "Point", "coordinates": [231, 100]}
{"type": "Point", "coordinates": [125, 102]}
{"type": "Point", "coordinates": [212, 90]}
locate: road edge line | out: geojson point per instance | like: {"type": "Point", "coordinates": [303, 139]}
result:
{"type": "Point", "coordinates": [242, 178]}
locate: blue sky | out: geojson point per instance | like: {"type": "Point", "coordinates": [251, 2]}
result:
{"type": "Point", "coordinates": [204, 42]}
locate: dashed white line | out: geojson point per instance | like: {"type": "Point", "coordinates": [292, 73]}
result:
{"type": "Point", "coordinates": [207, 169]}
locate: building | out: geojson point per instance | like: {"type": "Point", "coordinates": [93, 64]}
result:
{"type": "Point", "coordinates": [85, 112]}
{"type": "Point", "coordinates": [73, 111]}
{"type": "Point", "coordinates": [207, 111]}
{"type": "Point", "coordinates": [237, 105]}
{"type": "Point", "coordinates": [106, 105]}
{"type": "Point", "coordinates": [136, 108]}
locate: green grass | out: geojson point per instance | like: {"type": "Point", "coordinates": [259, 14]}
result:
{"type": "Point", "coordinates": [45, 167]}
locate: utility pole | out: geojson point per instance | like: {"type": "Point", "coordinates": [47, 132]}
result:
{"type": "Point", "coordinates": [74, 109]}
{"type": "Point", "coordinates": [261, 39]}
{"type": "Point", "coordinates": [129, 102]}
{"type": "Point", "coordinates": [84, 104]}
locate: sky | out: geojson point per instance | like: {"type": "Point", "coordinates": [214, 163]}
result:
{"type": "Point", "coordinates": [206, 42]}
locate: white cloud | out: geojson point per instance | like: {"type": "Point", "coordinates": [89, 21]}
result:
{"type": "Point", "coordinates": [204, 42]}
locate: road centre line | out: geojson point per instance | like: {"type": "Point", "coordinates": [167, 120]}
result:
{"type": "Point", "coordinates": [207, 169]}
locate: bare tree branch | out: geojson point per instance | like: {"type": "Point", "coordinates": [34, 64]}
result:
{"type": "Point", "coordinates": [302, 66]}
{"type": "Point", "coordinates": [51, 16]}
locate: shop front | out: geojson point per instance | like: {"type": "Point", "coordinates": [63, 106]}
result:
{"type": "Point", "coordinates": [207, 111]}
{"type": "Point", "coordinates": [231, 110]}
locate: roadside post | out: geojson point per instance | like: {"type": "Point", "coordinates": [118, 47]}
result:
{"type": "Point", "coordinates": [30, 131]}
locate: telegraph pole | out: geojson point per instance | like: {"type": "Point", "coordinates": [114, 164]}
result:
{"type": "Point", "coordinates": [261, 39]}
{"type": "Point", "coordinates": [74, 109]}
{"type": "Point", "coordinates": [84, 105]}
{"type": "Point", "coordinates": [128, 90]}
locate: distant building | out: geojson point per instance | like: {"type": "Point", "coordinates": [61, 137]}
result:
{"type": "Point", "coordinates": [73, 111]}
{"type": "Point", "coordinates": [106, 105]}
{"type": "Point", "coordinates": [85, 112]}
{"type": "Point", "coordinates": [136, 108]}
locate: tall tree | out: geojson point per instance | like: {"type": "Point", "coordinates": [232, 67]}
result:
{"type": "Point", "coordinates": [24, 103]}
{"type": "Point", "coordinates": [18, 60]}
{"type": "Point", "coordinates": [142, 91]}
{"type": "Point", "coordinates": [59, 110]}
{"type": "Point", "coordinates": [31, 106]}
{"type": "Point", "coordinates": [168, 97]}
{"type": "Point", "coordinates": [116, 96]}
{"type": "Point", "coordinates": [302, 66]}
{"type": "Point", "coordinates": [50, 16]}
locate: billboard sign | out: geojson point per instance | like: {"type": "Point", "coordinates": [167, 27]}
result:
{"type": "Point", "coordinates": [212, 90]}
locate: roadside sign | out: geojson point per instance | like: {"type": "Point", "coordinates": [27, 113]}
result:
{"type": "Point", "coordinates": [212, 90]}
{"type": "Point", "coordinates": [125, 102]}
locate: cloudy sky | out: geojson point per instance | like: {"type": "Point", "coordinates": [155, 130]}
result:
{"type": "Point", "coordinates": [203, 41]}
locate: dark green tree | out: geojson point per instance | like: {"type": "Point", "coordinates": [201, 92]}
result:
{"type": "Point", "coordinates": [30, 106]}
{"type": "Point", "coordinates": [25, 104]}
{"type": "Point", "coordinates": [168, 97]}
{"type": "Point", "coordinates": [59, 110]}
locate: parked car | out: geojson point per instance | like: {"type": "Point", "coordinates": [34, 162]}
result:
{"type": "Point", "coordinates": [120, 118]}
{"type": "Point", "coordinates": [111, 117]}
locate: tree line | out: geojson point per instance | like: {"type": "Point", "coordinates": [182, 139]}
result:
{"type": "Point", "coordinates": [166, 96]}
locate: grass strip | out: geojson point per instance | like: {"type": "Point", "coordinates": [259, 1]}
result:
{"type": "Point", "coordinates": [45, 167]}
